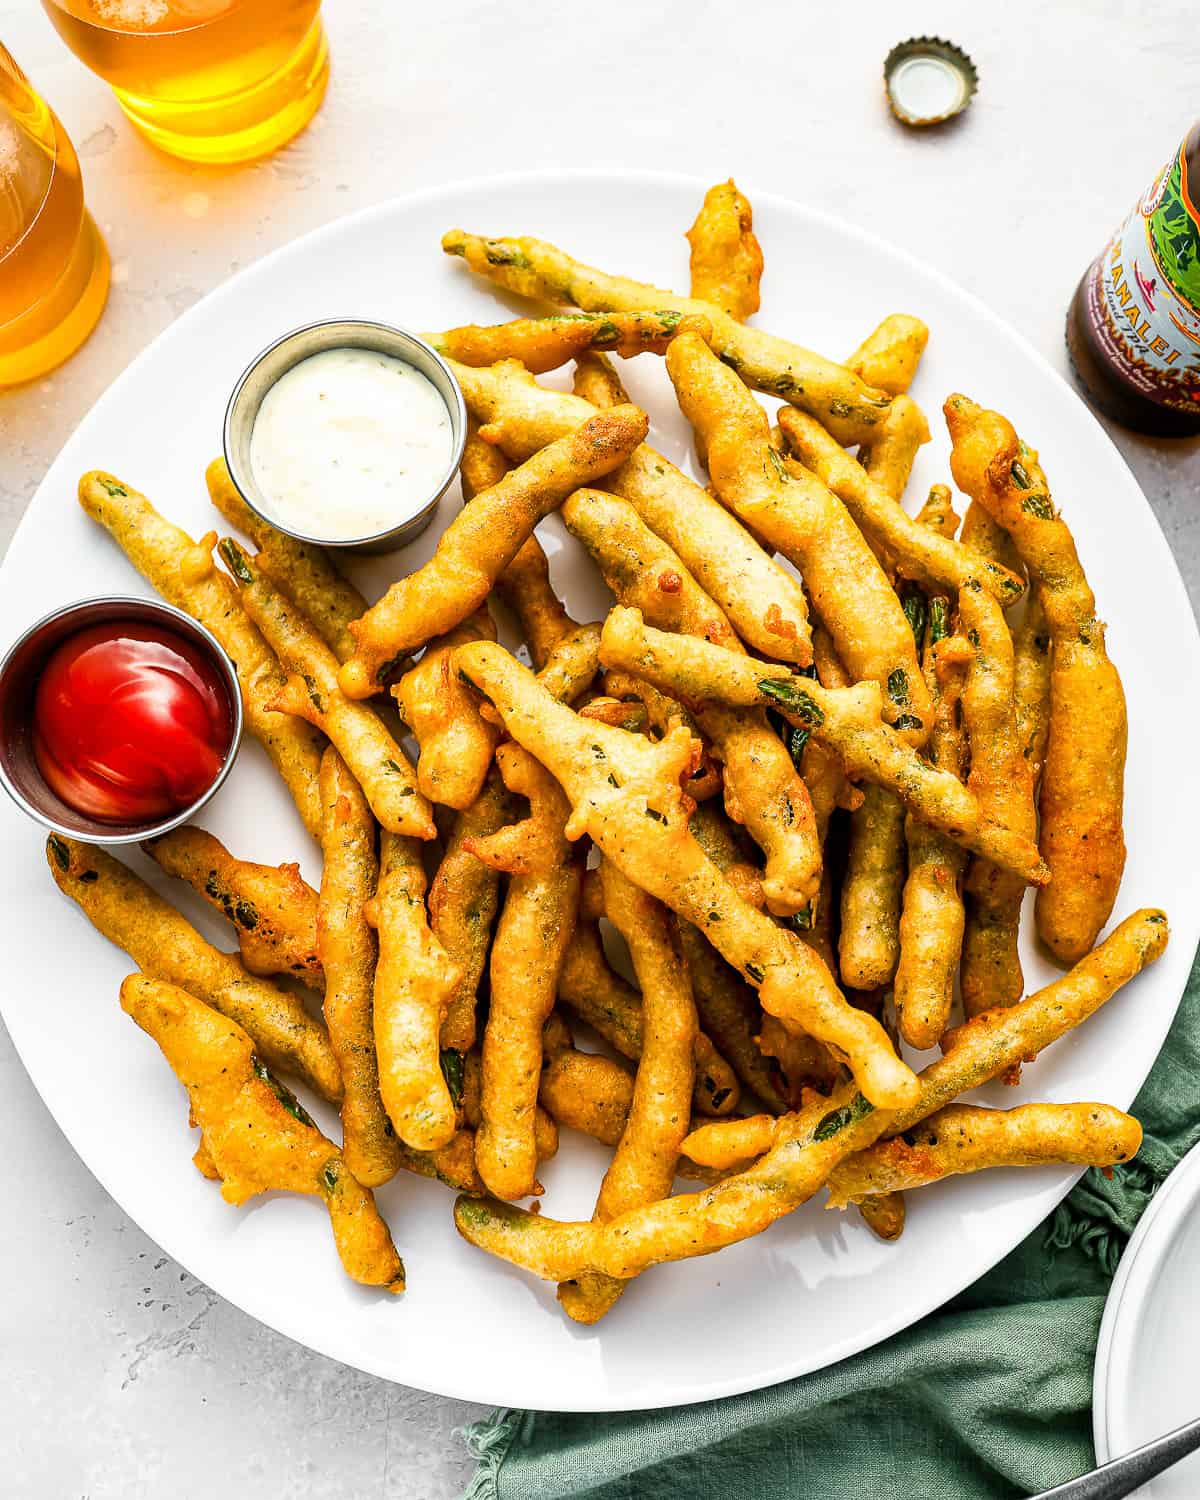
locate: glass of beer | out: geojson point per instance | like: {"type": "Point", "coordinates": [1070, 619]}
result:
{"type": "Point", "coordinates": [207, 80]}
{"type": "Point", "coordinates": [53, 264]}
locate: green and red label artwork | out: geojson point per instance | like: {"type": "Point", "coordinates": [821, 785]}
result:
{"type": "Point", "coordinates": [1143, 294]}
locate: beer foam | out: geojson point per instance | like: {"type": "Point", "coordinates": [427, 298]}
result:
{"type": "Point", "coordinates": [10, 151]}
{"type": "Point", "coordinates": [131, 12]}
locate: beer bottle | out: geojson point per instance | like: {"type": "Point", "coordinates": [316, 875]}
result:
{"type": "Point", "coordinates": [1133, 331]}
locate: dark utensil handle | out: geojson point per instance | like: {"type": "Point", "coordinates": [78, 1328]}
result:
{"type": "Point", "coordinates": [1124, 1475]}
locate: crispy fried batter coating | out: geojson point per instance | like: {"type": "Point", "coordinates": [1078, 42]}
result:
{"type": "Point", "coordinates": [533, 268]}
{"type": "Point", "coordinates": [597, 381]}
{"type": "Point", "coordinates": [1031, 683]}
{"type": "Point", "coordinates": [961, 1138]}
{"type": "Point", "coordinates": [643, 1166]}
{"type": "Point", "coordinates": [525, 587]}
{"type": "Point", "coordinates": [625, 793]}
{"type": "Point", "coordinates": [763, 790]}
{"type": "Point", "coordinates": [166, 946]}
{"type": "Point", "coordinates": [547, 343]}
{"type": "Point", "coordinates": [763, 601]}
{"type": "Point", "coordinates": [888, 459]}
{"type": "Point", "coordinates": [572, 665]}
{"type": "Point", "coordinates": [889, 355]}
{"type": "Point", "coordinates": [850, 592]}
{"type": "Point", "coordinates": [1083, 779]}
{"type": "Point", "coordinates": [463, 901]}
{"type": "Point", "coordinates": [481, 541]}
{"type": "Point", "coordinates": [255, 1135]}
{"type": "Point", "coordinates": [613, 1008]}
{"type": "Point", "coordinates": [932, 916]}
{"type": "Point", "coordinates": [273, 910]}
{"type": "Point", "coordinates": [483, 465]}
{"type": "Point", "coordinates": [925, 555]}
{"type": "Point", "coordinates": [1002, 779]}
{"type": "Point", "coordinates": [805, 1148]}
{"type": "Point", "coordinates": [414, 980]}
{"type": "Point", "coordinates": [726, 260]}
{"type": "Point", "coordinates": [312, 692]}
{"type": "Point", "coordinates": [869, 940]}
{"type": "Point", "coordinates": [662, 714]}
{"type": "Point", "coordinates": [849, 720]}
{"type": "Point", "coordinates": [183, 572]}
{"type": "Point", "coordinates": [456, 744]}
{"type": "Point", "coordinates": [536, 923]}
{"type": "Point", "coordinates": [349, 952]}
{"type": "Point", "coordinates": [303, 571]}
{"type": "Point", "coordinates": [986, 1047]}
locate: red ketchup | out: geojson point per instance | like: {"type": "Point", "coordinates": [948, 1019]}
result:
{"type": "Point", "coordinates": [131, 722]}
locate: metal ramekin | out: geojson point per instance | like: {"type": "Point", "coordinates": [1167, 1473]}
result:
{"type": "Point", "coordinates": [19, 672]}
{"type": "Point", "coordinates": [339, 333]}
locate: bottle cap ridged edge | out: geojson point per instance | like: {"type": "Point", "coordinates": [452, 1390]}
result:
{"type": "Point", "coordinates": [952, 56]}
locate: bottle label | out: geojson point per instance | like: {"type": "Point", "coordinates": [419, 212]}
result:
{"type": "Point", "coordinates": [1143, 294]}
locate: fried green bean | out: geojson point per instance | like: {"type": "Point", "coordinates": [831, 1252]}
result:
{"type": "Point", "coordinates": [763, 601]}
{"type": "Point", "coordinates": [481, 541]}
{"type": "Point", "coordinates": [643, 1165]}
{"type": "Point", "coordinates": [166, 946]}
{"type": "Point", "coordinates": [303, 571]}
{"type": "Point", "coordinates": [414, 980]}
{"type": "Point", "coordinates": [848, 719]}
{"type": "Point", "coordinates": [612, 1008]}
{"type": "Point", "coordinates": [255, 1135]}
{"type": "Point", "coordinates": [1031, 683]}
{"type": "Point", "coordinates": [597, 381]}
{"type": "Point", "coordinates": [625, 793]}
{"type": "Point", "coordinates": [1001, 778]}
{"type": "Point", "coordinates": [456, 744]}
{"type": "Point", "coordinates": [348, 952]}
{"type": "Point", "coordinates": [533, 268]}
{"type": "Point", "coordinates": [547, 343]}
{"type": "Point", "coordinates": [183, 572]}
{"type": "Point", "coordinates": [464, 898]}
{"type": "Point", "coordinates": [962, 1138]}
{"type": "Point", "coordinates": [888, 459]}
{"type": "Point", "coordinates": [869, 941]}
{"type": "Point", "coordinates": [572, 665]}
{"type": "Point", "coordinates": [918, 552]}
{"type": "Point", "coordinates": [662, 713]}
{"type": "Point", "coordinates": [807, 523]}
{"type": "Point", "coordinates": [889, 355]}
{"type": "Point", "coordinates": [932, 916]}
{"type": "Point", "coordinates": [525, 587]}
{"type": "Point", "coordinates": [726, 258]}
{"type": "Point", "coordinates": [986, 1047]}
{"type": "Point", "coordinates": [312, 692]}
{"type": "Point", "coordinates": [535, 927]}
{"type": "Point", "coordinates": [1083, 778]}
{"type": "Point", "coordinates": [763, 790]}
{"type": "Point", "coordinates": [273, 910]}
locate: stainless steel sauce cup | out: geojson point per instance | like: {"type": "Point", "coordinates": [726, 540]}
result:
{"type": "Point", "coordinates": [315, 338]}
{"type": "Point", "coordinates": [19, 673]}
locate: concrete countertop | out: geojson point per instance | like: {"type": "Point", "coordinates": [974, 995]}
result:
{"type": "Point", "coordinates": [124, 1377]}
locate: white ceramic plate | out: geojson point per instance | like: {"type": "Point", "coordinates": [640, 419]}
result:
{"type": "Point", "coordinates": [1144, 1382]}
{"type": "Point", "coordinates": [818, 1287]}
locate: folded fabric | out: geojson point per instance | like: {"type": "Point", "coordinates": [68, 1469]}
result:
{"type": "Point", "coordinates": [987, 1399]}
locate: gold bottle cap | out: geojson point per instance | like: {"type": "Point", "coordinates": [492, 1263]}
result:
{"type": "Point", "coordinates": [928, 80]}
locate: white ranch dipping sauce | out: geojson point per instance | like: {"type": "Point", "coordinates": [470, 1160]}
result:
{"type": "Point", "coordinates": [349, 443]}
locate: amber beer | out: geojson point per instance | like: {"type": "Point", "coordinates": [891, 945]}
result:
{"type": "Point", "coordinates": [1133, 331]}
{"type": "Point", "coordinates": [207, 80]}
{"type": "Point", "coordinates": [53, 265]}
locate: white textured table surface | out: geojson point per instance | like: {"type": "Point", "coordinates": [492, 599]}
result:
{"type": "Point", "coordinates": [123, 1377]}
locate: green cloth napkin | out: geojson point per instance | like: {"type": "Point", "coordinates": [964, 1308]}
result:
{"type": "Point", "coordinates": [987, 1399]}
